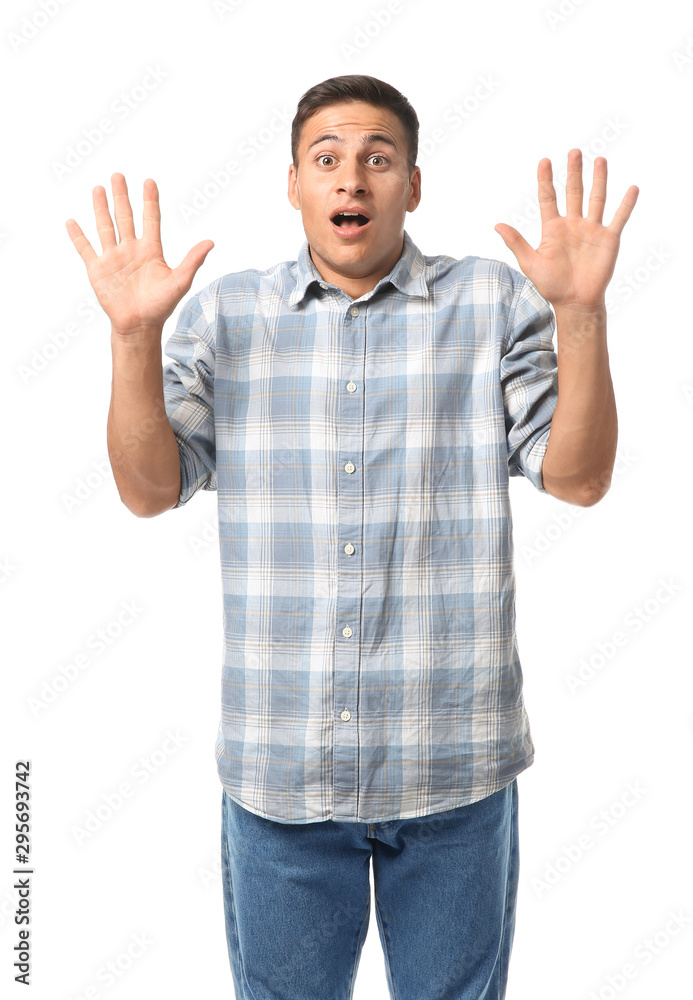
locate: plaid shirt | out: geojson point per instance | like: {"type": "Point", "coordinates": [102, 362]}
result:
{"type": "Point", "coordinates": [360, 450]}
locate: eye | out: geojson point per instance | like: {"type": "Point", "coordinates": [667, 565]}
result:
{"type": "Point", "coordinates": [329, 156]}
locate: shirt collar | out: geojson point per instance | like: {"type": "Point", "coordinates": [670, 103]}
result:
{"type": "Point", "coordinates": [408, 274]}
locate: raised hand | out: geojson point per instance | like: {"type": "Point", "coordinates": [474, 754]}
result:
{"type": "Point", "coordinates": [133, 283]}
{"type": "Point", "coordinates": [573, 264]}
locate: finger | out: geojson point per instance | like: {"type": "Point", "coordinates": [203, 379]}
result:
{"type": "Point", "coordinates": [517, 243]}
{"type": "Point", "coordinates": [81, 243]}
{"type": "Point", "coordinates": [573, 187]}
{"type": "Point", "coordinates": [624, 209]}
{"type": "Point", "coordinates": [185, 272]}
{"type": "Point", "coordinates": [595, 209]}
{"type": "Point", "coordinates": [104, 222]}
{"type": "Point", "coordinates": [151, 214]}
{"type": "Point", "coordinates": [122, 209]}
{"type": "Point", "coordinates": [547, 194]}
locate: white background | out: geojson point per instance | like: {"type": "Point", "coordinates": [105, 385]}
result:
{"type": "Point", "coordinates": [600, 76]}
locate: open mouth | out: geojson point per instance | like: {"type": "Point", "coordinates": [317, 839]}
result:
{"type": "Point", "coordinates": [349, 222]}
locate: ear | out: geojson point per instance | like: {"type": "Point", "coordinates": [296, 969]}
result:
{"type": "Point", "coordinates": [415, 196]}
{"type": "Point", "coordinates": [293, 187]}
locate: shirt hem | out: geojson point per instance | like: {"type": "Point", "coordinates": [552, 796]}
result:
{"type": "Point", "coordinates": [431, 810]}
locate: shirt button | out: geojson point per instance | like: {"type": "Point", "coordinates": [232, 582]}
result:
{"type": "Point", "coordinates": [346, 714]}
{"type": "Point", "coordinates": [350, 467]}
{"type": "Point", "coordinates": [354, 311]}
{"type": "Point", "coordinates": [349, 549]}
{"type": "Point", "coordinates": [346, 632]}
{"type": "Point", "coordinates": [351, 386]}
{"type": "Point", "coordinates": [323, 285]}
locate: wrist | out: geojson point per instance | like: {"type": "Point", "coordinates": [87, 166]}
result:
{"type": "Point", "coordinates": [141, 336]}
{"type": "Point", "coordinates": [590, 309]}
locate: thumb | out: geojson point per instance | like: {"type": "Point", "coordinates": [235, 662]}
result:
{"type": "Point", "coordinates": [185, 272]}
{"type": "Point", "coordinates": [515, 242]}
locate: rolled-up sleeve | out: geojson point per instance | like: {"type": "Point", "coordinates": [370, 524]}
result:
{"type": "Point", "coordinates": [529, 380]}
{"type": "Point", "coordinates": [189, 398]}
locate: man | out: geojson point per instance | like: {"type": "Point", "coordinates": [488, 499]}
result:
{"type": "Point", "coordinates": [359, 411]}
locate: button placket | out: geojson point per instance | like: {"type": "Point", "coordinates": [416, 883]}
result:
{"type": "Point", "coordinates": [349, 461]}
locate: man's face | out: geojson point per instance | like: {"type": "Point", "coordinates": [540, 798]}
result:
{"type": "Point", "coordinates": [373, 177]}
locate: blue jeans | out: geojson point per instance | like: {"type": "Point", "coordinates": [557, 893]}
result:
{"type": "Point", "coordinates": [297, 902]}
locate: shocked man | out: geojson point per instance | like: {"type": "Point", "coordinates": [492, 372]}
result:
{"type": "Point", "coordinates": [359, 411]}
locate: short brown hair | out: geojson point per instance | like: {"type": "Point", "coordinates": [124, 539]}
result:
{"type": "Point", "coordinates": [355, 87]}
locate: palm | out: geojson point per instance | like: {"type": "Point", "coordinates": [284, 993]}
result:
{"type": "Point", "coordinates": [575, 260]}
{"type": "Point", "coordinates": [133, 283]}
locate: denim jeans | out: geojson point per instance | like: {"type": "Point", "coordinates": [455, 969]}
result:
{"type": "Point", "coordinates": [297, 902]}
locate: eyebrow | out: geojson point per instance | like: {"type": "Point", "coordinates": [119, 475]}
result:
{"type": "Point", "coordinates": [365, 141]}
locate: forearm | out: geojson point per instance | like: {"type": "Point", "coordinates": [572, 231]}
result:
{"type": "Point", "coordinates": [141, 444]}
{"type": "Point", "coordinates": [581, 450]}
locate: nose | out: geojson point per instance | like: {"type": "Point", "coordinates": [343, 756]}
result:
{"type": "Point", "coordinates": [353, 177]}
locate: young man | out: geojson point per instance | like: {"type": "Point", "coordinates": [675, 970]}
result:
{"type": "Point", "coordinates": [359, 411]}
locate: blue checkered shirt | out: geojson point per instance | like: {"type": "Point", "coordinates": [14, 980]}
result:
{"type": "Point", "coordinates": [360, 450]}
